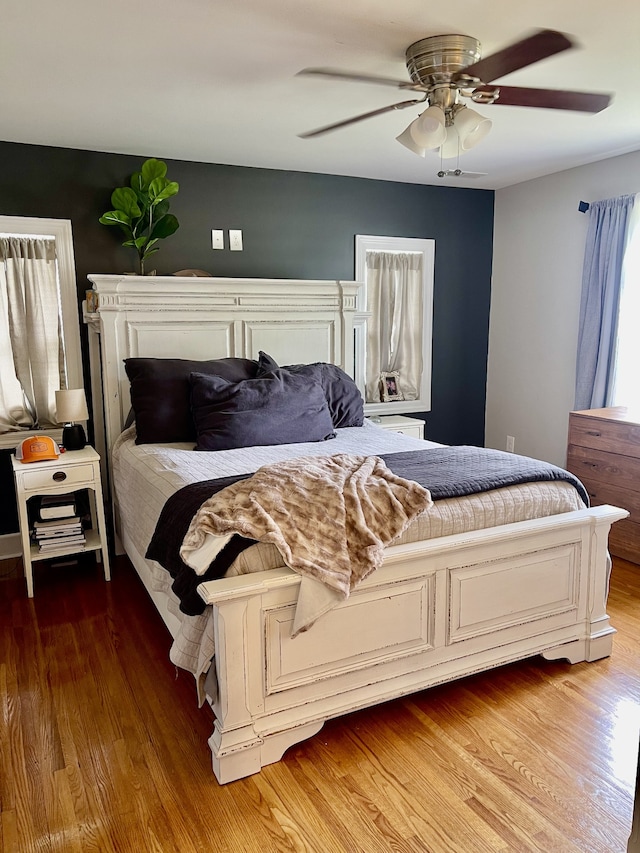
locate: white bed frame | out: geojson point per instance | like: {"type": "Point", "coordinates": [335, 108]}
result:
{"type": "Point", "coordinates": [436, 610]}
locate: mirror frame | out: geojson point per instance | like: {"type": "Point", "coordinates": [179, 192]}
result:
{"type": "Point", "coordinates": [427, 247]}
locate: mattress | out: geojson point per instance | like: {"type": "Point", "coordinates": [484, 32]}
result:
{"type": "Point", "coordinates": [145, 476]}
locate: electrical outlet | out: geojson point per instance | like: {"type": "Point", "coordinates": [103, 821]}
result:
{"type": "Point", "coordinates": [217, 239]}
{"type": "Point", "coordinates": [235, 240]}
{"type": "Point", "coordinates": [511, 443]}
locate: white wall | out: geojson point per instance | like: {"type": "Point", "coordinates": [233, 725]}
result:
{"type": "Point", "coordinates": [539, 241]}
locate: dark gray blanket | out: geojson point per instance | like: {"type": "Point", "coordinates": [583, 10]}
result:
{"type": "Point", "coordinates": [447, 472]}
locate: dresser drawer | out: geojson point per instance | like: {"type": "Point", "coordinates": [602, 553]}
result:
{"type": "Point", "coordinates": [602, 493]}
{"type": "Point", "coordinates": [601, 467]}
{"type": "Point", "coordinates": [614, 436]}
{"type": "Point", "coordinates": [63, 476]}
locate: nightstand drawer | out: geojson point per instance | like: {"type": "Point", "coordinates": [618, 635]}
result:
{"type": "Point", "coordinates": [415, 432]}
{"type": "Point", "coordinates": [65, 475]}
{"type": "Point", "coordinates": [407, 426]}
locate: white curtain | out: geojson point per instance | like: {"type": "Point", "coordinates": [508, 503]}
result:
{"type": "Point", "coordinates": [626, 384]}
{"type": "Point", "coordinates": [394, 327]}
{"type": "Point", "coordinates": [32, 364]}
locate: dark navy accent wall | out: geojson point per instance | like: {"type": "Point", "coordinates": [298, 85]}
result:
{"type": "Point", "coordinates": [295, 225]}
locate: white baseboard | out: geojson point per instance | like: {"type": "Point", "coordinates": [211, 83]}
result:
{"type": "Point", "coordinates": [10, 546]}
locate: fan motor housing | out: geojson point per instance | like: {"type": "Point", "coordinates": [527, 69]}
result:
{"type": "Point", "coordinates": [435, 59]}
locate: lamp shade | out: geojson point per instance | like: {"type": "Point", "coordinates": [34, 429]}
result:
{"type": "Point", "coordinates": [429, 130]}
{"type": "Point", "coordinates": [71, 405]}
{"type": "Point", "coordinates": [406, 139]}
{"type": "Point", "coordinates": [471, 126]}
{"type": "Point", "coordinates": [451, 147]}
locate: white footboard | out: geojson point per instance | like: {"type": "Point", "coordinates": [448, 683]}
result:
{"type": "Point", "coordinates": [435, 611]}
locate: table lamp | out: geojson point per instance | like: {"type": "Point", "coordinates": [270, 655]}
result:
{"type": "Point", "coordinates": [71, 406]}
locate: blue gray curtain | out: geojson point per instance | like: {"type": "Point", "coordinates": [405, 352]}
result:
{"type": "Point", "coordinates": [601, 277]}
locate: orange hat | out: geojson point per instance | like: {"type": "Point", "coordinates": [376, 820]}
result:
{"type": "Point", "coordinates": [37, 448]}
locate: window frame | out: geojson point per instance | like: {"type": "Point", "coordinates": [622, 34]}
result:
{"type": "Point", "coordinates": [60, 231]}
{"type": "Point", "coordinates": [426, 247]}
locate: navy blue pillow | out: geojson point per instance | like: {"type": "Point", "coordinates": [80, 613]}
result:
{"type": "Point", "coordinates": [160, 393]}
{"type": "Point", "coordinates": [341, 392]}
{"type": "Point", "coordinates": [276, 408]}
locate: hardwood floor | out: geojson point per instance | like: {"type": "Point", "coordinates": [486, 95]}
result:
{"type": "Point", "coordinates": [102, 746]}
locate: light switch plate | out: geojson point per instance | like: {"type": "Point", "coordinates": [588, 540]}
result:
{"type": "Point", "coordinates": [235, 240]}
{"type": "Point", "coordinates": [217, 239]}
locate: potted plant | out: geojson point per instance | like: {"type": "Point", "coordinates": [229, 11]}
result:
{"type": "Point", "coordinates": [142, 209]}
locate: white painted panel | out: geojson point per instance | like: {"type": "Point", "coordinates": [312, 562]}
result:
{"type": "Point", "coordinates": [405, 619]}
{"type": "Point", "coordinates": [292, 341]}
{"type": "Point", "coordinates": [489, 597]}
{"type": "Point", "coordinates": [181, 339]}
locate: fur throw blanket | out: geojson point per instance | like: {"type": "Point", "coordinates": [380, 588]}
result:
{"type": "Point", "coordinates": [330, 516]}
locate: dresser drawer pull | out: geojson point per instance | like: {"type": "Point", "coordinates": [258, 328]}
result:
{"type": "Point", "coordinates": [593, 432]}
{"type": "Point", "coordinates": [59, 476]}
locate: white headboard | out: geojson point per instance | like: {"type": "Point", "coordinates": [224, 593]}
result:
{"type": "Point", "coordinates": [294, 320]}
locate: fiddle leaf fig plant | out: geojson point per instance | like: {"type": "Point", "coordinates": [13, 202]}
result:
{"type": "Point", "coordinates": [141, 210]}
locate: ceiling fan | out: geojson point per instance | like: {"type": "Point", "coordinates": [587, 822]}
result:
{"type": "Point", "coordinates": [446, 69]}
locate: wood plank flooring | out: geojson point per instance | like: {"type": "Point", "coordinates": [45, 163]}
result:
{"type": "Point", "coordinates": [102, 746]}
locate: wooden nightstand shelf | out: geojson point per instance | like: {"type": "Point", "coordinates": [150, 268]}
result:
{"type": "Point", "coordinates": [398, 423]}
{"type": "Point", "coordinates": [71, 472]}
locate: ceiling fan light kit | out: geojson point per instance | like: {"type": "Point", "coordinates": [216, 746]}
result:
{"type": "Point", "coordinates": [425, 132]}
{"type": "Point", "coordinates": [471, 126]}
{"type": "Point", "coordinates": [452, 145]}
{"type": "Point", "coordinates": [429, 129]}
{"type": "Point", "coordinates": [446, 68]}
{"type": "Point", "coordinates": [406, 139]}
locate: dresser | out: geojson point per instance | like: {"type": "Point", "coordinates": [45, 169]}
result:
{"type": "Point", "coordinates": [604, 452]}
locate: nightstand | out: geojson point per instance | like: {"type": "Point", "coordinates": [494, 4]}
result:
{"type": "Point", "coordinates": [397, 423]}
{"type": "Point", "coordinates": [71, 472]}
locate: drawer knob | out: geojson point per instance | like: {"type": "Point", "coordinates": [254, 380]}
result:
{"type": "Point", "coordinates": [59, 476]}
{"type": "Point", "coordinates": [593, 432]}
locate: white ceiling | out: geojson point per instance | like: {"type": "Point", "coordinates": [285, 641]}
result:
{"type": "Point", "coordinates": [214, 81]}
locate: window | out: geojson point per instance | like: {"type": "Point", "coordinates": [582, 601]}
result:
{"type": "Point", "coordinates": [39, 327]}
{"type": "Point", "coordinates": [394, 322]}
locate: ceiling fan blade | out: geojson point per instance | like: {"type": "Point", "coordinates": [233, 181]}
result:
{"type": "Point", "coordinates": [319, 131]}
{"type": "Point", "coordinates": [525, 52]}
{"type": "Point", "coordinates": [460, 173]}
{"type": "Point", "coordinates": [550, 99]}
{"type": "Point", "coordinates": [361, 78]}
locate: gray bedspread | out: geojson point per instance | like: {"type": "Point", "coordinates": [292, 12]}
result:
{"type": "Point", "coordinates": [446, 472]}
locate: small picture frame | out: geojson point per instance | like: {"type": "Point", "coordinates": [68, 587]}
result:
{"type": "Point", "coordinates": [91, 298]}
{"type": "Point", "coordinates": [390, 387]}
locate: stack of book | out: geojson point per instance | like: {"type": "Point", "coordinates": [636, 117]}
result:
{"type": "Point", "coordinates": [59, 527]}
{"type": "Point", "coordinates": [59, 534]}
{"type": "Point", "coordinates": [57, 506]}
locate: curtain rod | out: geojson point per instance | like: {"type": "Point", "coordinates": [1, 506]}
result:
{"type": "Point", "coordinates": [583, 206]}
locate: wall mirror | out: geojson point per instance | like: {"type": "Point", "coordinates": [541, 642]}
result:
{"type": "Point", "coordinates": [393, 323]}
{"type": "Point", "coordinates": [39, 325]}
